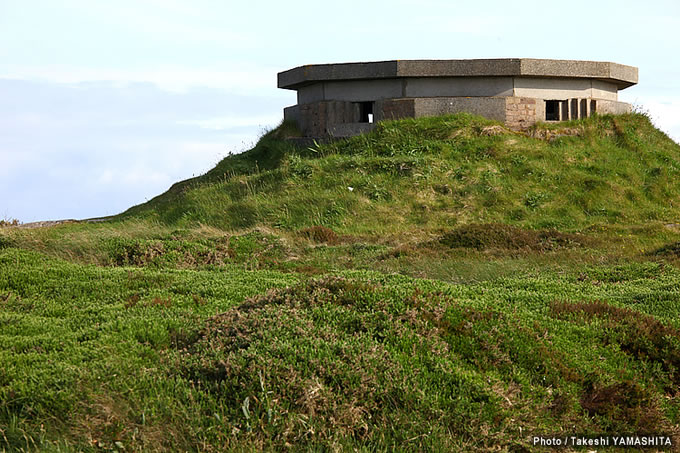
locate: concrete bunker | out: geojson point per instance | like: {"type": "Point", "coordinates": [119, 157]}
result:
{"type": "Point", "coordinates": [341, 100]}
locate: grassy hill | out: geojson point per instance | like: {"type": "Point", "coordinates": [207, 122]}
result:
{"type": "Point", "coordinates": [438, 284]}
{"type": "Point", "coordinates": [439, 172]}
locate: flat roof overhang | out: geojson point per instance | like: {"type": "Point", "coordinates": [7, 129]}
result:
{"type": "Point", "coordinates": [622, 75]}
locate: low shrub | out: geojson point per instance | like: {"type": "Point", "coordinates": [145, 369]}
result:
{"type": "Point", "coordinates": [320, 234]}
{"type": "Point", "coordinates": [507, 237]}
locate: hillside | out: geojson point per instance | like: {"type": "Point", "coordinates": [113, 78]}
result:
{"type": "Point", "coordinates": [441, 284]}
{"type": "Point", "coordinates": [438, 172]}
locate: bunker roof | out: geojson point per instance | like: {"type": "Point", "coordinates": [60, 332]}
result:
{"type": "Point", "coordinates": [623, 76]}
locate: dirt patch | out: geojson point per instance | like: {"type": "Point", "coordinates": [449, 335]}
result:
{"type": "Point", "coordinates": [505, 237]}
{"type": "Point", "coordinates": [494, 130]}
{"type": "Point", "coordinates": [320, 235]}
{"type": "Point", "coordinates": [110, 424]}
{"type": "Point", "coordinates": [552, 134]}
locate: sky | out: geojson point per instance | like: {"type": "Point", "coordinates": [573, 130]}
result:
{"type": "Point", "coordinates": [104, 105]}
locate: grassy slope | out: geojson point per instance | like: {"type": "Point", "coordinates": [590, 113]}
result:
{"type": "Point", "coordinates": [156, 331]}
{"type": "Point", "coordinates": [438, 172]}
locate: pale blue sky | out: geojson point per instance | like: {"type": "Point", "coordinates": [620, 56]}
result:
{"type": "Point", "coordinates": [104, 105]}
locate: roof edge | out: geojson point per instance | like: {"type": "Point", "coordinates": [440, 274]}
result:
{"type": "Point", "coordinates": [624, 76]}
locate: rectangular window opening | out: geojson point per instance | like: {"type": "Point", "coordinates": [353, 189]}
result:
{"type": "Point", "coordinates": [552, 110]}
{"type": "Point", "coordinates": [366, 112]}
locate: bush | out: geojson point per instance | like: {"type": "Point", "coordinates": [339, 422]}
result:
{"type": "Point", "coordinates": [498, 236]}
{"type": "Point", "coordinates": [320, 234]}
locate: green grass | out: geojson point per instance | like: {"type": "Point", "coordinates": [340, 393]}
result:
{"type": "Point", "coordinates": [435, 173]}
{"type": "Point", "coordinates": [93, 356]}
{"type": "Point", "coordinates": [79, 343]}
{"type": "Point", "coordinates": [440, 284]}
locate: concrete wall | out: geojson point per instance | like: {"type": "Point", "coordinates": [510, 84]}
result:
{"type": "Point", "coordinates": [604, 90]}
{"type": "Point", "coordinates": [350, 90]}
{"type": "Point", "coordinates": [363, 90]}
{"type": "Point", "coordinates": [315, 119]}
{"type": "Point", "coordinates": [291, 113]}
{"type": "Point", "coordinates": [490, 107]}
{"type": "Point", "coordinates": [425, 87]}
{"type": "Point", "coordinates": [614, 107]}
{"type": "Point", "coordinates": [392, 109]}
{"type": "Point", "coordinates": [310, 93]}
{"type": "Point", "coordinates": [543, 88]}
{"type": "Point", "coordinates": [341, 118]}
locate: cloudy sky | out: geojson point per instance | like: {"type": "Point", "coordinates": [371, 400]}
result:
{"type": "Point", "coordinates": [104, 105]}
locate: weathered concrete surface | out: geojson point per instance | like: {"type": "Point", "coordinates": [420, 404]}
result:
{"type": "Point", "coordinates": [337, 99]}
{"type": "Point", "coordinates": [517, 113]}
{"type": "Point", "coordinates": [604, 90]}
{"type": "Point", "coordinates": [489, 107]}
{"type": "Point", "coordinates": [541, 88]}
{"type": "Point", "coordinates": [614, 107]}
{"type": "Point", "coordinates": [623, 76]}
{"type": "Point", "coordinates": [413, 87]}
{"type": "Point", "coordinates": [315, 119]}
{"type": "Point", "coordinates": [363, 90]}
{"type": "Point", "coordinates": [392, 109]}
{"type": "Point", "coordinates": [345, 71]}
{"type": "Point", "coordinates": [291, 113]}
{"type": "Point", "coordinates": [311, 93]}
{"type": "Point", "coordinates": [426, 87]}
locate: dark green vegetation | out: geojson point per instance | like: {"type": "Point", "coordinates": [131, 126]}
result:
{"type": "Point", "coordinates": [440, 284]}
